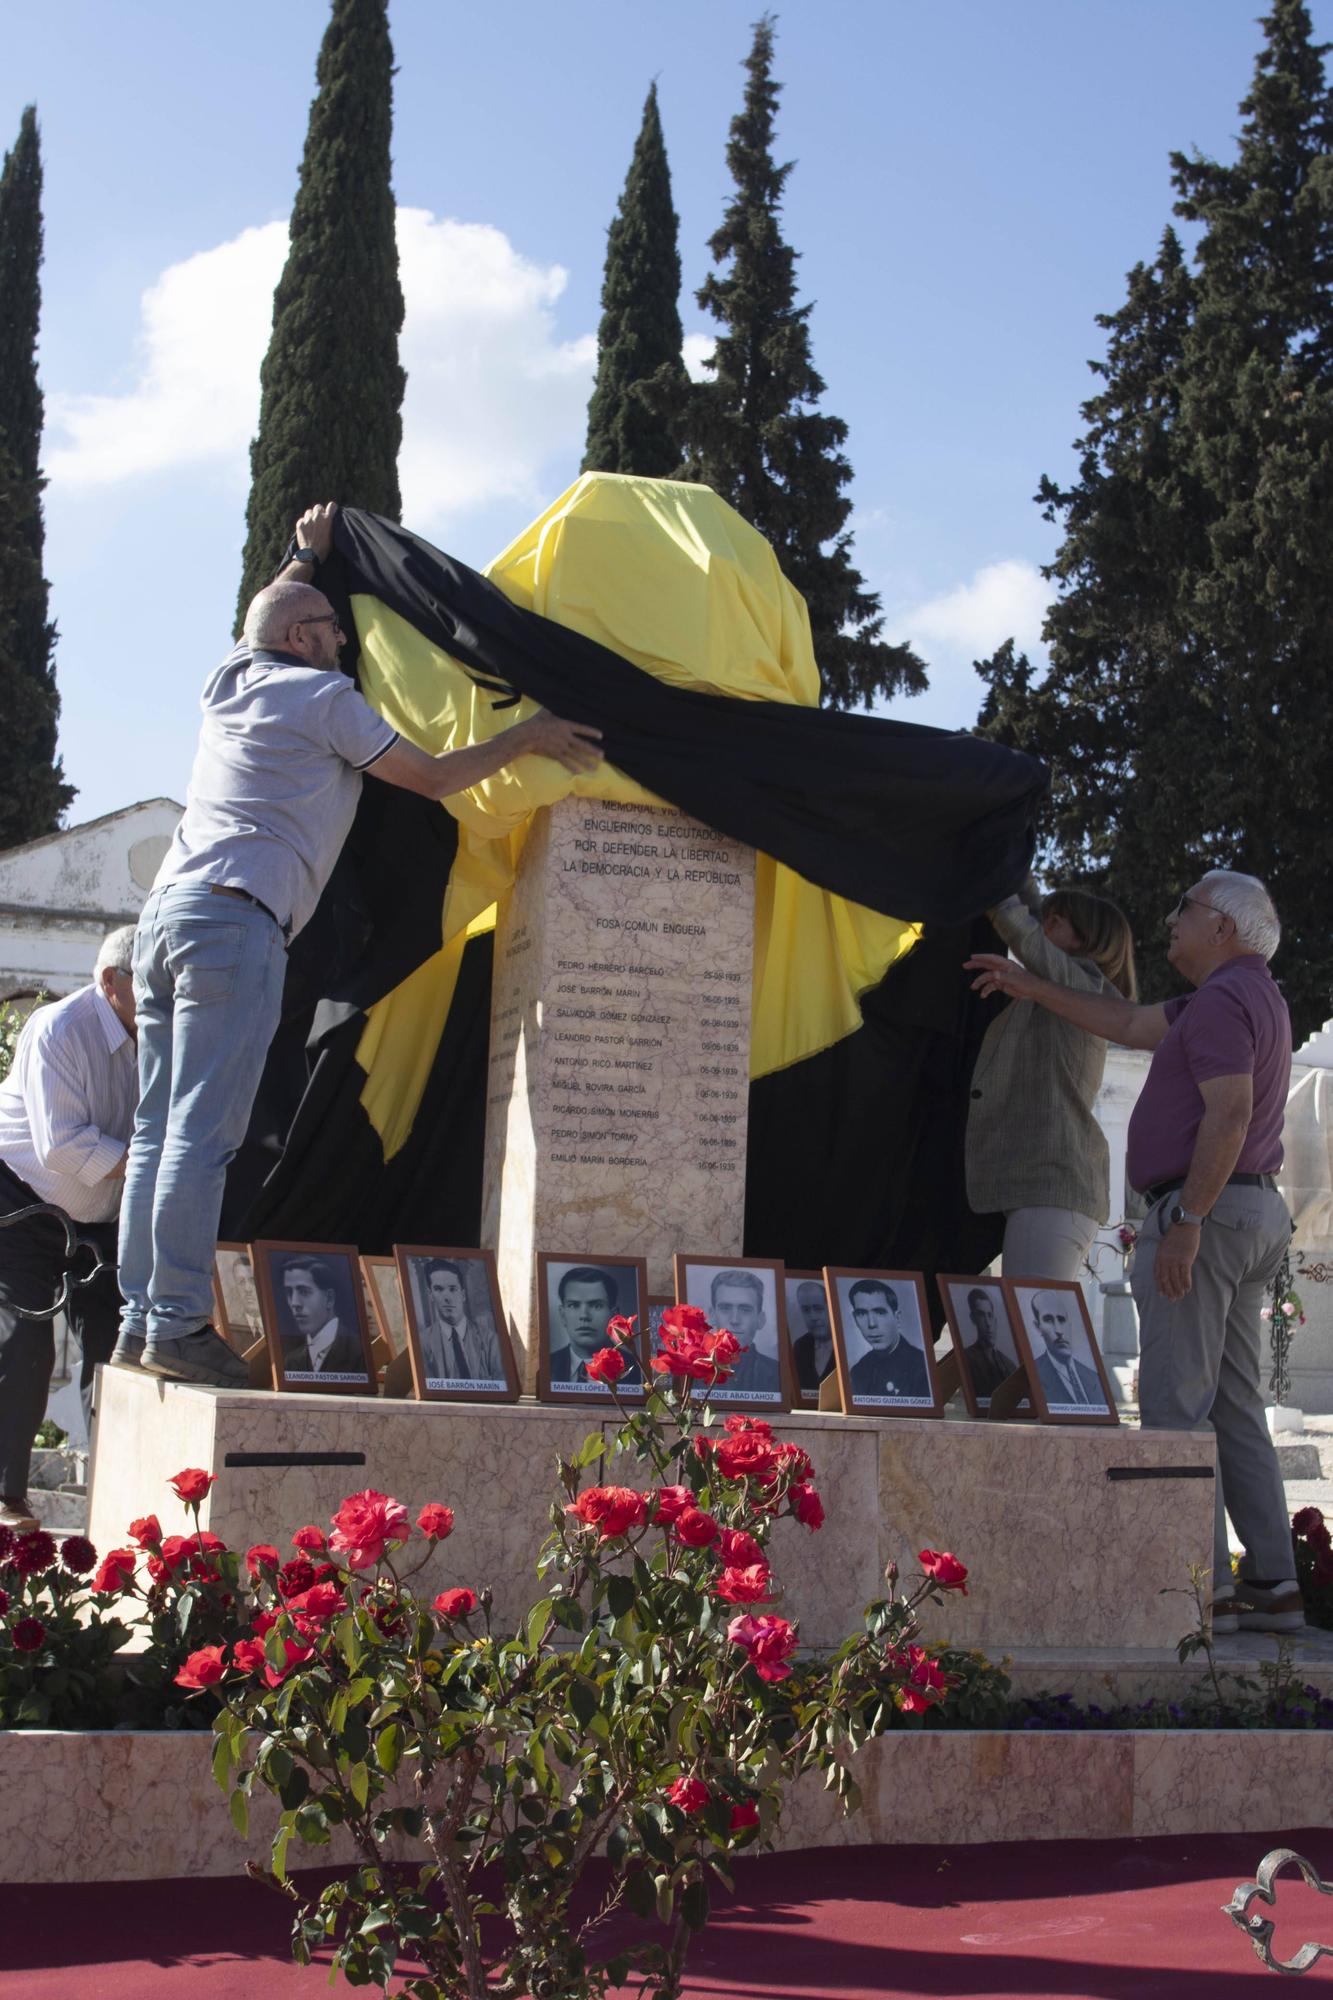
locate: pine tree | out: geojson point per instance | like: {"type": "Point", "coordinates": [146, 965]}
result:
{"type": "Point", "coordinates": [753, 432]}
{"type": "Point", "coordinates": [331, 385]}
{"type": "Point", "coordinates": [33, 794]}
{"type": "Point", "coordinates": [1188, 714]}
{"type": "Point", "coordinates": [639, 338]}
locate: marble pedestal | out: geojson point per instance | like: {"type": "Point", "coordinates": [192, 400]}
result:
{"type": "Point", "coordinates": [619, 1053]}
{"type": "Point", "coordinates": [1074, 1538]}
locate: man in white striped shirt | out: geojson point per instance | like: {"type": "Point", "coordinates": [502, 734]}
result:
{"type": "Point", "coordinates": [66, 1113]}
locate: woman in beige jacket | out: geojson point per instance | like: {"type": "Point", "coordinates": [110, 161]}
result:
{"type": "Point", "coordinates": [1035, 1153]}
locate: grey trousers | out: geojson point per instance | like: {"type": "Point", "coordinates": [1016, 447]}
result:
{"type": "Point", "coordinates": [1200, 1362]}
{"type": "Point", "coordinates": [1046, 1242]}
{"type": "Point", "coordinates": [32, 1268]}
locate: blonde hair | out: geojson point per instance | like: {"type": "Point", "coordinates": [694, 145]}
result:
{"type": "Point", "coordinates": [1103, 931]}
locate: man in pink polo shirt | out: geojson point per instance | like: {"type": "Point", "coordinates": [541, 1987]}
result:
{"type": "Point", "coordinates": [1205, 1142]}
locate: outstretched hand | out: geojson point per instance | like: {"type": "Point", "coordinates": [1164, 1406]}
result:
{"type": "Point", "coordinates": [997, 974]}
{"type": "Point", "coordinates": [576, 745]}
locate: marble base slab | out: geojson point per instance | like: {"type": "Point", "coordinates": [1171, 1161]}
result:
{"type": "Point", "coordinates": [1059, 1554]}
{"type": "Point", "coordinates": [108, 1807]}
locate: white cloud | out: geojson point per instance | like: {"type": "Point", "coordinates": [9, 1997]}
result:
{"type": "Point", "coordinates": [697, 348]}
{"type": "Point", "coordinates": [1002, 600]}
{"type": "Point", "coordinates": [493, 395]}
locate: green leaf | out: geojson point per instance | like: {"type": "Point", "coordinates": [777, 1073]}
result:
{"type": "Point", "coordinates": [389, 1748]}
{"type": "Point", "coordinates": [277, 1763]}
{"type": "Point", "coordinates": [223, 1761]}
{"type": "Point", "coordinates": [592, 1448]}
{"type": "Point", "coordinates": [280, 1840]}
{"type": "Point", "coordinates": [694, 1904]}
{"type": "Point", "coordinates": [297, 1788]}
{"type": "Point", "coordinates": [312, 1825]}
{"type": "Point", "coordinates": [621, 1596]}
{"type": "Point", "coordinates": [240, 1813]}
{"type": "Point", "coordinates": [664, 1897]}
{"type": "Point", "coordinates": [538, 1619]}
{"type": "Point", "coordinates": [639, 1892]}
{"type": "Point", "coordinates": [358, 1784]}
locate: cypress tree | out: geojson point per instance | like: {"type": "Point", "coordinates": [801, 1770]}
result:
{"type": "Point", "coordinates": [33, 794]}
{"type": "Point", "coordinates": [331, 385]}
{"type": "Point", "coordinates": [640, 334]}
{"type": "Point", "coordinates": [1188, 714]}
{"type": "Point", "coordinates": [753, 432]}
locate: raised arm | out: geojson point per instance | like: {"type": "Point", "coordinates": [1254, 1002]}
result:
{"type": "Point", "coordinates": [1023, 933]}
{"type": "Point", "coordinates": [1115, 1020]}
{"type": "Point", "coordinates": [574, 744]}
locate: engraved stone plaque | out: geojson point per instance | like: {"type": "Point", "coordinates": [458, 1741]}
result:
{"type": "Point", "coordinates": [619, 1053]}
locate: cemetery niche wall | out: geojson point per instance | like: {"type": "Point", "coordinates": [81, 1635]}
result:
{"type": "Point", "coordinates": [652, 610]}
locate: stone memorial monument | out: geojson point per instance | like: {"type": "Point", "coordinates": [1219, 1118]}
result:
{"type": "Point", "coordinates": [619, 1051]}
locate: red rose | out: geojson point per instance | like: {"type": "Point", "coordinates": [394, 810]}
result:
{"type": "Point", "coordinates": [311, 1539]}
{"type": "Point", "coordinates": [945, 1571]}
{"type": "Point", "coordinates": [620, 1328]}
{"type": "Point", "coordinates": [910, 1701]}
{"type": "Point", "coordinates": [77, 1555]}
{"type": "Point", "coordinates": [33, 1552]}
{"type": "Point", "coordinates": [671, 1504]}
{"type": "Point", "coordinates": [296, 1576]}
{"type": "Point", "coordinates": [769, 1643]}
{"type": "Point", "coordinates": [8, 1540]}
{"type": "Point", "coordinates": [203, 1669]}
{"type": "Point", "coordinates": [321, 1601]}
{"type": "Point", "coordinates": [690, 1794]}
{"type": "Point", "coordinates": [612, 1510]}
{"type": "Point", "coordinates": [744, 1586]}
{"type": "Point", "coordinates": [293, 1656]}
{"type": "Point", "coordinates": [248, 1656]}
{"type": "Point", "coordinates": [687, 1349]}
{"type": "Point", "coordinates": [1306, 1520]}
{"type": "Point", "coordinates": [607, 1365]}
{"type": "Point", "coordinates": [192, 1485]}
{"type": "Point", "coordinates": [262, 1556]}
{"type": "Point", "coordinates": [692, 1320]}
{"type": "Point", "coordinates": [436, 1521]}
{"type": "Point", "coordinates": [115, 1573]}
{"type": "Point", "coordinates": [696, 1528]}
{"type": "Point", "coordinates": [453, 1604]}
{"type": "Point", "coordinates": [745, 1455]}
{"type": "Point", "coordinates": [746, 1814]}
{"type": "Point", "coordinates": [29, 1635]}
{"type": "Point", "coordinates": [264, 1621]}
{"type": "Point", "coordinates": [738, 1422]}
{"type": "Point", "coordinates": [806, 1505]}
{"type": "Point", "coordinates": [737, 1549]}
{"type": "Point", "coordinates": [366, 1525]}
{"type": "Point", "coordinates": [146, 1531]}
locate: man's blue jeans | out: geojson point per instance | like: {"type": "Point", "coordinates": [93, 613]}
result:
{"type": "Point", "coordinates": [208, 974]}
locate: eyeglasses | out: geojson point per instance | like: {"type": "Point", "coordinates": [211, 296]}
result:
{"type": "Point", "coordinates": [1184, 902]}
{"type": "Point", "coordinates": [325, 618]}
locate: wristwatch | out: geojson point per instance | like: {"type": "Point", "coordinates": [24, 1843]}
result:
{"type": "Point", "coordinates": [1176, 1214]}
{"type": "Point", "coordinates": [305, 554]}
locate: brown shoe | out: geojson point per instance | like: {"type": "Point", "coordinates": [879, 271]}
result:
{"type": "Point", "coordinates": [1261, 1609]}
{"type": "Point", "coordinates": [14, 1515]}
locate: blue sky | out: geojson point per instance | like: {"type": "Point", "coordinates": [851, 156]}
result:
{"type": "Point", "coordinates": [972, 183]}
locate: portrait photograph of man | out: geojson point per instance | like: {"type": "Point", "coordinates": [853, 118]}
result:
{"type": "Point", "coordinates": [385, 1309]}
{"type": "Point", "coordinates": [810, 1330]}
{"type": "Point", "coordinates": [577, 1300]}
{"type": "Point", "coordinates": [982, 1340]}
{"type": "Point", "coordinates": [457, 1334]}
{"type": "Point", "coordinates": [1065, 1371]}
{"type": "Point", "coordinates": [746, 1296]}
{"type": "Point", "coordinates": [885, 1360]}
{"type": "Point", "coordinates": [236, 1297]}
{"type": "Point", "coordinates": [314, 1316]}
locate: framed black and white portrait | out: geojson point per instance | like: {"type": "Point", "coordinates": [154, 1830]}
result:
{"type": "Point", "coordinates": [983, 1342]}
{"type": "Point", "coordinates": [384, 1302]}
{"type": "Point", "coordinates": [577, 1298]}
{"type": "Point", "coordinates": [810, 1332]}
{"type": "Point", "coordinates": [746, 1296]}
{"type": "Point", "coordinates": [456, 1329]}
{"type": "Point", "coordinates": [1054, 1333]}
{"type": "Point", "coordinates": [885, 1354]}
{"type": "Point", "coordinates": [236, 1298]}
{"type": "Point", "coordinates": [314, 1311]}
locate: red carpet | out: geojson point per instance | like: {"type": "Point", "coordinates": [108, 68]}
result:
{"type": "Point", "coordinates": [1064, 1920]}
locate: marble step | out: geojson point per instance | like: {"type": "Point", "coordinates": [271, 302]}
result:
{"type": "Point", "coordinates": [62, 1510]}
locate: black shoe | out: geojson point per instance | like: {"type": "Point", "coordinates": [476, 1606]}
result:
{"type": "Point", "coordinates": [203, 1356]}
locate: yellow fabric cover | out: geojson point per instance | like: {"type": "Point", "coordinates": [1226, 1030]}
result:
{"type": "Point", "coordinates": [670, 577]}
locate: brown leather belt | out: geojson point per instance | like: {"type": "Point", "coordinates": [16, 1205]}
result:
{"type": "Point", "coordinates": [244, 896]}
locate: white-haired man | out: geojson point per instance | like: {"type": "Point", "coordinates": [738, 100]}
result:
{"type": "Point", "coordinates": [66, 1111]}
{"type": "Point", "coordinates": [286, 737]}
{"type": "Point", "coordinates": [1205, 1141]}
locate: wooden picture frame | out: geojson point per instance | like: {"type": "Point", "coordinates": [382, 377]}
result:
{"type": "Point", "coordinates": [806, 1315]}
{"type": "Point", "coordinates": [986, 1391]}
{"type": "Point", "coordinates": [237, 1313]}
{"type": "Point", "coordinates": [571, 1324]}
{"type": "Point", "coordinates": [437, 1341]}
{"type": "Point", "coordinates": [386, 1316]}
{"type": "Point", "coordinates": [865, 1305]}
{"type": "Point", "coordinates": [750, 1291]}
{"type": "Point", "coordinates": [1083, 1371]}
{"type": "Point", "coordinates": [332, 1287]}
